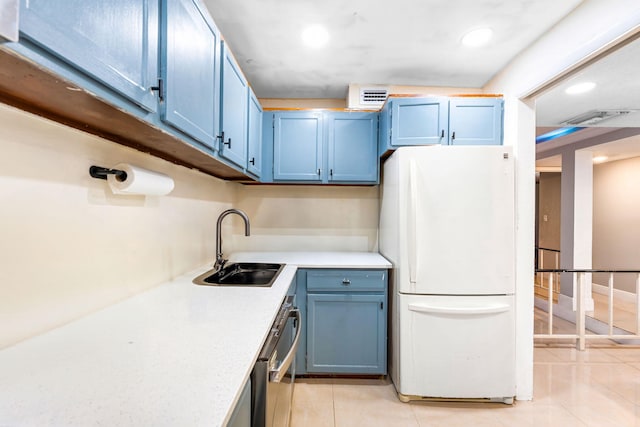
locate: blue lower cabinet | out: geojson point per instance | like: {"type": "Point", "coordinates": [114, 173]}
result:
{"type": "Point", "coordinates": [346, 333]}
{"type": "Point", "coordinates": [345, 313]}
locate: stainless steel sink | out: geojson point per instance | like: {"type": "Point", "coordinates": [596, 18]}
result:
{"type": "Point", "coordinates": [241, 274]}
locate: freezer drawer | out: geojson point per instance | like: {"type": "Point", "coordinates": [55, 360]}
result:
{"type": "Point", "coordinates": [456, 346]}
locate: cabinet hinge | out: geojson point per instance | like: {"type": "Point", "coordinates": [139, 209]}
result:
{"type": "Point", "coordinates": [160, 89]}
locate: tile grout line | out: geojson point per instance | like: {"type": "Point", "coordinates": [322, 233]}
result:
{"type": "Point", "coordinates": [333, 403]}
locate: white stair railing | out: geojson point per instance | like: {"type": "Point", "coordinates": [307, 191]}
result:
{"type": "Point", "coordinates": [581, 289]}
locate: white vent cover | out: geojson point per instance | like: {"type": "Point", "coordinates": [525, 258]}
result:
{"type": "Point", "coordinates": [373, 96]}
{"type": "Point", "coordinates": [594, 116]}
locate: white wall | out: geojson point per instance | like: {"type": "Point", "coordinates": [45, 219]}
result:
{"type": "Point", "coordinates": [616, 220]}
{"type": "Point", "coordinates": [309, 218]}
{"type": "Point", "coordinates": [592, 27]}
{"type": "Point", "coordinates": [68, 246]}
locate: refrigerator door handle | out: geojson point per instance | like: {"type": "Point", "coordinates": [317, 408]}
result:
{"type": "Point", "coordinates": [436, 309]}
{"type": "Point", "coordinates": [413, 200]}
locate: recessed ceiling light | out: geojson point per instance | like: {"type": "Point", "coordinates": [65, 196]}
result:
{"type": "Point", "coordinates": [580, 88]}
{"type": "Point", "coordinates": [599, 159]}
{"type": "Point", "coordinates": [315, 36]}
{"type": "Point", "coordinates": [478, 37]}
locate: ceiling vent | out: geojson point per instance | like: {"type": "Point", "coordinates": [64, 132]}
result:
{"type": "Point", "coordinates": [373, 96]}
{"type": "Point", "coordinates": [590, 118]}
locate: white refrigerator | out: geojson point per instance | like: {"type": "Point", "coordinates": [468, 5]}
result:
{"type": "Point", "coordinates": [447, 226]}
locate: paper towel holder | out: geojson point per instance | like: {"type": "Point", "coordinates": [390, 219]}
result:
{"type": "Point", "coordinates": [101, 173]}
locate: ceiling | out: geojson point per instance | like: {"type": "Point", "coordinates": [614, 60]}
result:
{"type": "Point", "coordinates": [404, 42]}
{"type": "Point", "coordinates": [617, 88]}
{"type": "Point", "coordinates": [417, 43]}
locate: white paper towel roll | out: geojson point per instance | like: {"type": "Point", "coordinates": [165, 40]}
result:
{"type": "Point", "coordinates": [140, 181]}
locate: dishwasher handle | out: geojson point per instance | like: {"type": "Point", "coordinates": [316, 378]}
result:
{"type": "Point", "coordinates": [275, 375]}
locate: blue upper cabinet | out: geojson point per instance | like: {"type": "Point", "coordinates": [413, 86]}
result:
{"type": "Point", "coordinates": [297, 146]}
{"type": "Point", "coordinates": [115, 42]}
{"type": "Point", "coordinates": [324, 147]}
{"type": "Point", "coordinates": [254, 144]}
{"type": "Point", "coordinates": [190, 70]}
{"type": "Point", "coordinates": [475, 121]}
{"type": "Point", "coordinates": [419, 121]}
{"type": "Point", "coordinates": [233, 110]}
{"type": "Point", "coordinates": [440, 120]}
{"type": "Point", "coordinates": [353, 147]}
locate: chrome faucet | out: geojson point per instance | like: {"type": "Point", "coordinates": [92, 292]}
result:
{"type": "Point", "coordinates": [220, 261]}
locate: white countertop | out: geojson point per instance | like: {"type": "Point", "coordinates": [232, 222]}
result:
{"type": "Point", "coordinates": [175, 355]}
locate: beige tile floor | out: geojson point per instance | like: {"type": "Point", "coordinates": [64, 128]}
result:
{"type": "Point", "coordinates": [624, 313]}
{"type": "Point", "coordinates": [598, 387]}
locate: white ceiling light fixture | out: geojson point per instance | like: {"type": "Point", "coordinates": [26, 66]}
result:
{"type": "Point", "coordinates": [579, 88]}
{"type": "Point", "coordinates": [592, 117]}
{"type": "Point", "coordinates": [315, 36]}
{"type": "Point", "coordinates": [600, 159]}
{"type": "Point", "coordinates": [478, 37]}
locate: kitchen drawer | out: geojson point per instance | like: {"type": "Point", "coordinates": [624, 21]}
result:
{"type": "Point", "coordinates": [347, 280]}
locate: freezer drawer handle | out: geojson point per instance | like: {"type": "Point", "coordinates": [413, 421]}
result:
{"type": "Point", "coordinates": [489, 309]}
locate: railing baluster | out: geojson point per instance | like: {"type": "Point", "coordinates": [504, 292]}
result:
{"type": "Point", "coordinates": [610, 303]}
{"type": "Point", "coordinates": [580, 290]}
{"type": "Point", "coordinates": [581, 315]}
{"type": "Point", "coordinates": [550, 303]}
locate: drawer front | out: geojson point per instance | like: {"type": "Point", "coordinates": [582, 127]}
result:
{"type": "Point", "coordinates": [347, 280]}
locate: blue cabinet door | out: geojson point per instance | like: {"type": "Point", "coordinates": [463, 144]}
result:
{"type": "Point", "coordinates": [353, 146]}
{"type": "Point", "coordinates": [475, 121]}
{"type": "Point", "coordinates": [384, 129]}
{"type": "Point", "coordinates": [346, 333]}
{"type": "Point", "coordinates": [233, 110]}
{"type": "Point", "coordinates": [297, 146]}
{"type": "Point", "coordinates": [254, 143]}
{"type": "Point", "coordinates": [115, 41]}
{"type": "Point", "coordinates": [419, 121]}
{"type": "Point", "coordinates": [190, 66]}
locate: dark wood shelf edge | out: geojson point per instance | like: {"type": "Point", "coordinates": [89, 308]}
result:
{"type": "Point", "coordinates": [29, 87]}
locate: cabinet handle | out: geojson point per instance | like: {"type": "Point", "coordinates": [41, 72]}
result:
{"type": "Point", "coordinates": [453, 136]}
{"type": "Point", "coordinates": [159, 88]}
{"type": "Point", "coordinates": [346, 282]}
{"type": "Point", "coordinates": [319, 171]}
{"type": "Point", "coordinates": [253, 161]}
{"type": "Point", "coordinates": [331, 172]}
{"type": "Point", "coordinates": [442, 134]}
{"type": "Point", "coordinates": [221, 137]}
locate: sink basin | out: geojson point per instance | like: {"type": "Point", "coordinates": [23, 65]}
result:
{"type": "Point", "coordinates": [241, 274]}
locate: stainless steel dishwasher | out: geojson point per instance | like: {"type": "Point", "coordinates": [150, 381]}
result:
{"type": "Point", "coordinates": [274, 372]}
